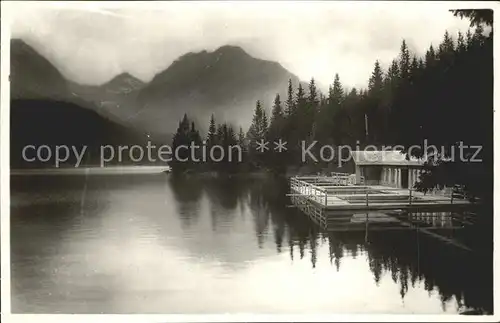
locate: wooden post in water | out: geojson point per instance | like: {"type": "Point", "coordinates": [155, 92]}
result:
{"type": "Point", "coordinates": [366, 197]}
{"type": "Point", "coordinates": [451, 199]}
{"type": "Point", "coordinates": [326, 199]}
{"type": "Point", "coordinates": [410, 196]}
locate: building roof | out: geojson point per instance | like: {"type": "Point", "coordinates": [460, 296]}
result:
{"type": "Point", "coordinates": [383, 157]}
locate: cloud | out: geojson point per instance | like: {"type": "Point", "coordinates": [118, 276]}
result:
{"type": "Point", "coordinates": [93, 43]}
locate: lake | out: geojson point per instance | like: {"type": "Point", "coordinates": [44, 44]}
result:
{"type": "Point", "coordinates": [154, 243]}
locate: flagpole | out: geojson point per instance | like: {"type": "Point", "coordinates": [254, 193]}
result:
{"type": "Point", "coordinates": [366, 125]}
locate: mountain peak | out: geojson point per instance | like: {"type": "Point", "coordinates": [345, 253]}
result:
{"type": "Point", "coordinates": [124, 82]}
{"type": "Point", "coordinates": [226, 81]}
{"type": "Point", "coordinates": [231, 49]}
{"type": "Point", "coordinates": [125, 76]}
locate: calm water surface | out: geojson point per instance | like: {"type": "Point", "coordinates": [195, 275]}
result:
{"type": "Point", "coordinates": [150, 243]}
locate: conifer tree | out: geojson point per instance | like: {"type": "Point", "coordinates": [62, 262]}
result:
{"type": "Point", "coordinates": [277, 118]}
{"type": "Point", "coordinates": [430, 57]}
{"type": "Point", "coordinates": [258, 128]}
{"type": "Point", "coordinates": [181, 157]}
{"type": "Point", "coordinates": [375, 84]}
{"type": "Point", "coordinates": [257, 133]}
{"type": "Point", "coordinates": [212, 131]}
{"type": "Point", "coordinates": [290, 104]}
{"type": "Point", "coordinates": [241, 137]}
{"type": "Point", "coordinates": [404, 61]}
{"type": "Point", "coordinates": [300, 97]}
{"type": "Point", "coordinates": [461, 46]}
{"type": "Point", "coordinates": [337, 93]}
{"type": "Point", "coordinates": [313, 94]}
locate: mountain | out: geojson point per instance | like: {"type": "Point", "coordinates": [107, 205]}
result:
{"type": "Point", "coordinates": [51, 123]}
{"type": "Point", "coordinates": [44, 112]}
{"type": "Point", "coordinates": [226, 82]}
{"type": "Point", "coordinates": [123, 84]}
{"type": "Point", "coordinates": [32, 76]}
{"type": "Point", "coordinates": [115, 98]}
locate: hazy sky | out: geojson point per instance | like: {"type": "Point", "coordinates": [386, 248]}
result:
{"type": "Point", "coordinates": [93, 43]}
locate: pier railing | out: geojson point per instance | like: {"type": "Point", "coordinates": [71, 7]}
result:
{"type": "Point", "coordinates": [339, 190]}
{"type": "Point", "coordinates": [337, 179]}
{"type": "Point", "coordinates": [307, 189]}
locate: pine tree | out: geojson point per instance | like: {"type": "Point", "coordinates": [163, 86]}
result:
{"type": "Point", "coordinates": [264, 124]}
{"type": "Point", "coordinates": [219, 137]}
{"type": "Point", "coordinates": [181, 158]}
{"type": "Point", "coordinates": [241, 137]}
{"type": "Point", "coordinates": [300, 98]}
{"type": "Point", "coordinates": [404, 61]}
{"type": "Point", "coordinates": [301, 123]}
{"type": "Point", "coordinates": [447, 45]}
{"type": "Point", "coordinates": [421, 65]}
{"type": "Point", "coordinates": [469, 39]}
{"type": "Point", "coordinates": [376, 82]}
{"type": "Point", "coordinates": [212, 131]}
{"type": "Point", "coordinates": [290, 104]}
{"type": "Point", "coordinates": [258, 128]}
{"type": "Point", "coordinates": [430, 57]}
{"type": "Point", "coordinates": [276, 132]}
{"type": "Point", "coordinates": [340, 132]}
{"type": "Point", "coordinates": [329, 118]}
{"type": "Point", "coordinates": [231, 136]}
{"type": "Point", "coordinates": [477, 17]}
{"type": "Point", "coordinates": [337, 93]}
{"type": "Point", "coordinates": [256, 133]}
{"type": "Point", "coordinates": [414, 69]}
{"type": "Point", "coordinates": [391, 86]}
{"type": "Point", "coordinates": [373, 103]}
{"type": "Point", "coordinates": [461, 45]}
{"type": "Point", "coordinates": [277, 118]}
{"type": "Point", "coordinates": [313, 94]}
{"type": "Point", "coordinates": [478, 36]}
{"type": "Point", "coordinates": [311, 111]}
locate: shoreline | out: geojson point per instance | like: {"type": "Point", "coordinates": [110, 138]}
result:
{"type": "Point", "coordinates": [90, 170]}
{"type": "Point", "coordinates": [138, 170]}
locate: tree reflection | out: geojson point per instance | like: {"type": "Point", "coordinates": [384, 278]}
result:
{"type": "Point", "coordinates": [408, 258]}
{"type": "Point", "coordinates": [225, 195]}
{"type": "Point", "coordinates": [187, 192]}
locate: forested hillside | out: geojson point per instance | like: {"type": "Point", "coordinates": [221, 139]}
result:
{"type": "Point", "coordinates": [443, 98]}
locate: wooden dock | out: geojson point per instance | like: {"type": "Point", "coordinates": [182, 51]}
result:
{"type": "Point", "coordinates": [333, 201]}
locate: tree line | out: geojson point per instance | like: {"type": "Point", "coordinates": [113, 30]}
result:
{"type": "Point", "coordinates": [444, 97]}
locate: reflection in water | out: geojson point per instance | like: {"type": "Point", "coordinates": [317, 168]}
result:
{"type": "Point", "coordinates": [160, 244]}
{"type": "Point", "coordinates": [188, 194]}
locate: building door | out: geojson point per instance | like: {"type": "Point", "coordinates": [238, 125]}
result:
{"type": "Point", "coordinates": [404, 178]}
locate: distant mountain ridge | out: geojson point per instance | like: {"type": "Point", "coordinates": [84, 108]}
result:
{"type": "Point", "coordinates": [123, 83]}
{"type": "Point", "coordinates": [226, 82]}
{"type": "Point", "coordinates": [32, 76]}
{"type": "Point", "coordinates": [44, 111]}
{"type": "Point", "coordinates": [116, 98]}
